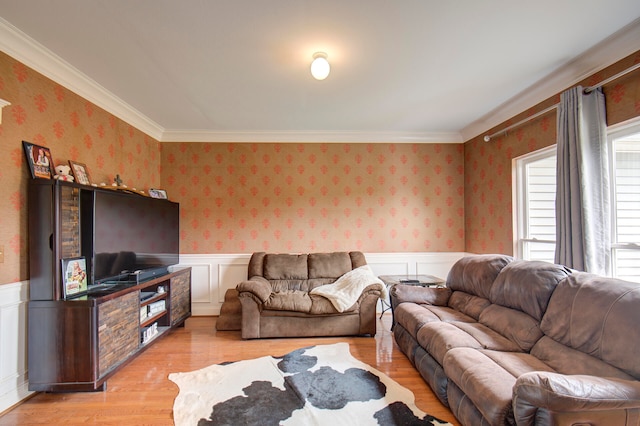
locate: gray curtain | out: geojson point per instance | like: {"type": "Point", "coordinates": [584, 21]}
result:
{"type": "Point", "coordinates": [582, 198]}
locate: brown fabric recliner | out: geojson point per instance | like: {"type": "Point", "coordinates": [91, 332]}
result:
{"type": "Point", "coordinates": [276, 301]}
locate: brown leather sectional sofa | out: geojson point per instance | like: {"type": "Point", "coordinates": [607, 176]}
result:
{"type": "Point", "coordinates": [276, 299]}
{"type": "Point", "coordinates": [527, 343]}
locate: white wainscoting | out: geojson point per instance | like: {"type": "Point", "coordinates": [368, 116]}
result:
{"type": "Point", "coordinates": [13, 344]}
{"type": "Point", "coordinates": [213, 274]}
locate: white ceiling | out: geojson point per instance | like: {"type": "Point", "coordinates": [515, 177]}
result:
{"type": "Point", "coordinates": [238, 70]}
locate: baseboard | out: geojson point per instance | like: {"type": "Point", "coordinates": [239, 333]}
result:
{"type": "Point", "coordinates": [15, 397]}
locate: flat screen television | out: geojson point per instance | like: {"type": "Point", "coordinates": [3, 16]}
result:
{"type": "Point", "coordinates": [132, 234]}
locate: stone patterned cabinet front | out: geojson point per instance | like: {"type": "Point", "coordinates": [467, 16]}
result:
{"type": "Point", "coordinates": [118, 331]}
{"type": "Point", "coordinates": [180, 296]}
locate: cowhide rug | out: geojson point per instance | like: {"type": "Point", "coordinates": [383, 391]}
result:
{"type": "Point", "coordinates": [318, 385]}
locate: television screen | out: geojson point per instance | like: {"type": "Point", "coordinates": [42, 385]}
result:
{"type": "Point", "coordinates": [133, 233]}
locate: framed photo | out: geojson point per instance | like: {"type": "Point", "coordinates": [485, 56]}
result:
{"type": "Point", "coordinates": [158, 193]}
{"type": "Point", "coordinates": [74, 276]}
{"type": "Point", "coordinates": [39, 160]}
{"type": "Point", "coordinates": [80, 172]}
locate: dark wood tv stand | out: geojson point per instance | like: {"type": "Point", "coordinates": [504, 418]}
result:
{"type": "Point", "coordinates": [76, 344]}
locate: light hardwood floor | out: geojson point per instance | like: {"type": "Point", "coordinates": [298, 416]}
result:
{"type": "Point", "coordinates": [141, 393]}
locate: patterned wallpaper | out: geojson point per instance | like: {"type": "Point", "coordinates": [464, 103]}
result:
{"type": "Point", "coordinates": [47, 114]}
{"type": "Point", "coordinates": [488, 188]}
{"type": "Point", "coordinates": [239, 198]}
{"type": "Point", "coordinates": [236, 198]}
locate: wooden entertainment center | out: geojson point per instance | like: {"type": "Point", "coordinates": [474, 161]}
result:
{"type": "Point", "coordinates": [77, 343]}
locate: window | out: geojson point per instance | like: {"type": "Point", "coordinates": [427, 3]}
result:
{"type": "Point", "coordinates": [534, 203]}
{"type": "Point", "coordinates": [625, 204]}
{"type": "Point", "coordinates": [535, 209]}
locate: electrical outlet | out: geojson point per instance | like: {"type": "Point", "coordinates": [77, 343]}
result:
{"type": "Point", "coordinates": [1, 254]}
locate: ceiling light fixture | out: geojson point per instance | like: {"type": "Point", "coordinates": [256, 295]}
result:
{"type": "Point", "coordinates": [320, 67]}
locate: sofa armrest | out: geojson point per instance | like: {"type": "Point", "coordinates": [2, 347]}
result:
{"type": "Point", "coordinates": [372, 289]}
{"type": "Point", "coordinates": [559, 393]}
{"type": "Point", "coordinates": [438, 296]}
{"type": "Point", "coordinates": [258, 286]}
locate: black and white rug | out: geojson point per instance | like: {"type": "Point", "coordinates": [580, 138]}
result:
{"type": "Point", "coordinates": [318, 385]}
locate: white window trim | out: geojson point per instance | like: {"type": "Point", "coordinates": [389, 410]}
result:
{"type": "Point", "coordinates": [614, 132]}
{"type": "Point", "coordinates": [520, 202]}
{"type": "Point", "coordinates": [519, 198]}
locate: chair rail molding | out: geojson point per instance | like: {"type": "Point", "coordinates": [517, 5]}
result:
{"type": "Point", "coordinates": [213, 274]}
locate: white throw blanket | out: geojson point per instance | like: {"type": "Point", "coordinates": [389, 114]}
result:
{"type": "Point", "coordinates": [346, 290]}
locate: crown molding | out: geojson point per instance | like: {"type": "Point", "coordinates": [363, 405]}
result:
{"type": "Point", "coordinates": [23, 48]}
{"type": "Point", "coordinates": [614, 48]}
{"type": "Point", "coordinates": [310, 137]}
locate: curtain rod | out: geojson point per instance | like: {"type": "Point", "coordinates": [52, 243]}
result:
{"type": "Point", "coordinates": [610, 79]}
{"type": "Point", "coordinates": [487, 138]}
{"type": "Point", "coordinates": [589, 89]}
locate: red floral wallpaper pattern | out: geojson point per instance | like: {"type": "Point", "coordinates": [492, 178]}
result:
{"type": "Point", "coordinates": [487, 166]}
{"type": "Point", "coordinates": [48, 114]}
{"type": "Point", "coordinates": [241, 198]}
{"type": "Point", "coordinates": [238, 198]}
{"type": "Point", "coordinates": [488, 183]}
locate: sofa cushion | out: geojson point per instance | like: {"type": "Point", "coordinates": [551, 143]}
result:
{"type": "Point", "coordinates": [439, 337]}
{"type": "Point", "coordinates": [323, 306]}
{"type": "Point", "coordinates": [297, 301]}
{"type": "Point", "coordinates": [487, 378]}
{"type": "Point", "coordinates": [517, 363]}
{"type": "Point", "coordinates": [298, 284]}
{"type": "Point", "coordinates": [256, 265]}
{"type": "Point", "coordinates": [468, 304]}
{"type": "Point", "coordinates": [357, 259]}
{"type": "Point", "coordinates": [516, 326]}
{"type": "Point", "coordinates": [413, 316]}
{"type": "Point", "coordinates": [329, 265]}
{"type": "Point", "coordinates": [483, 381]}
{"type": "Point", "coordinates": [285, 266]}
{"type": "Point", "coordinates": [566, 360]}
{"type": "Point", "coordinates": [446, 314]}
{"type": "Point", "coordinates": [597, 316]}
{"type": "Point", "coordinates": [527, 286]}
{"type": "Point", "coordinates": [475, 274]}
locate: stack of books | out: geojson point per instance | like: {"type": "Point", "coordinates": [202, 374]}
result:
{"type": "Point", "coordinates": [157, 307]}
{"type": "Point", "coordinates": [144, 312]}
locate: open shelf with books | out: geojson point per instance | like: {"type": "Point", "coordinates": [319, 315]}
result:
{"type": "Point", "coordinates": [154, 313]}
{"type": "Point", "coordinates": [79, 336]}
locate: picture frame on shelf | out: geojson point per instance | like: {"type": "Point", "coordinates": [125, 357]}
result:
{"type": "Point", "coordinates": [74, 276]}
{"type": "Point", "coordinates": [158, 193]}
{"type": "Point", "coordinates": [39, 160]}
{"type": "Point", "coordinates": [80, 172]}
